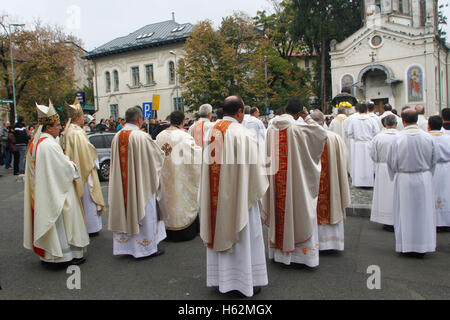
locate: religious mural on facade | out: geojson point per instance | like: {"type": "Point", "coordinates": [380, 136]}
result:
{"type": "Point", "coordinates": [415, 84]}
{"type": "Point", "coordinates": [348, 81]}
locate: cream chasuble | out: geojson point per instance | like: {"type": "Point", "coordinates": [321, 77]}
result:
{"type": "Point", "coordinates": [79, 149]}
{"type": "Point", "coordinates": [334, 194]}
{"type": "Point", "coordinates": [232, 184]}
{"type": "Point", "coordinates": [180, 178]}
{"type": "Point", "coordinates": [198, 130]}
{"type": "Point", "coordinates": [136, 163]}
{"type": "Point", "coordinates": [54, 225]}
{"type": "Point", "coordinates": [290, 204]}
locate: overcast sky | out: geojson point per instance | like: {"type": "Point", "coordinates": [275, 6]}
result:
{"type": "Point", "coordinates": [96, 22]}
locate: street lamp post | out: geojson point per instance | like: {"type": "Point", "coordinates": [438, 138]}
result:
{"type": "Point", "coordinates": [12, 64]}
{"type": "Point", "coordinates": [176, 77]}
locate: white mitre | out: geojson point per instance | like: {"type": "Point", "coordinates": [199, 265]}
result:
{"type": "Point", "coordinates": [75, 110]}
{"type": "Point", "coordinates": [47, 115]}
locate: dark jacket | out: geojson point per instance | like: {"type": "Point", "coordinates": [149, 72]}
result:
{"type": "Point", "coordinates": [21, 134]}
{"type": "Point", "coordinates": [159, 128]}
{"type": "Point", "coordinates": [12, 143]}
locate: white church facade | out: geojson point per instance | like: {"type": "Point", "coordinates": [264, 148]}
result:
{"type": "Point", "coordinates": [396, 57]}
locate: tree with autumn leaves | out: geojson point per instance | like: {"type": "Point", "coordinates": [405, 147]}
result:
{"type": "Point", "coordinates": [43, 63]}
{"type": "Point", "coordinates": [232, 60]}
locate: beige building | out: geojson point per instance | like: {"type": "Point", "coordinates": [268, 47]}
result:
{"type": "Point", "coordinates": [129, 70]}
{"type": "Point", "coordinates": [396, 57]}
{"type": "Point", "coordinates": [83, 69]}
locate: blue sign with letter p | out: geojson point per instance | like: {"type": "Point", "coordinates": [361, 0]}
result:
{"type": "Point", "coordinates": [147, 110]}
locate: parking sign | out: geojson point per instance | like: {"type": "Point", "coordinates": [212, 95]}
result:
{"type": "Point", "coordinates": [147, 110]}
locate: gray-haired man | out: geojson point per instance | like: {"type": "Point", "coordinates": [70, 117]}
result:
{"type": "Point", "coordinates": [198, 128]}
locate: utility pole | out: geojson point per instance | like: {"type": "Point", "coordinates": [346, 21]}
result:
{"type": "Point", "coordinates": [12, 64]}
{"type": "Point", "coordinates": [265, 77]}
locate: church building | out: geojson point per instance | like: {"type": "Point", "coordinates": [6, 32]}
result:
{"type": "Point", "coordinates": [397, 57]}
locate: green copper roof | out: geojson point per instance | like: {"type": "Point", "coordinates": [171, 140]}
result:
{"type": "Point", "coordinates": [152, 35]}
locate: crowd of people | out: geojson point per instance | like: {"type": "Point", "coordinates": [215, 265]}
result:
{"type": "Point", "coordinates": [225, 175]}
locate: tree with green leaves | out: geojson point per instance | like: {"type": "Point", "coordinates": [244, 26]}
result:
{"type": "Point", "coordinates": [44, 67]}
{"type": "Point", "coordinates": [317, 23]}
{"type": "Point", "coordinates": [219, 63]}
{"type": "Point", "coordinates": [233, 60]}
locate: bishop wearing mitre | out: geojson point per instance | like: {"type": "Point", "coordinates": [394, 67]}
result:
{"type": "Point", "coordinates": [54, 224]}
{"type": "Point", "coordinates": [78, 148]}
{"type": "Point", "coordinates": [136, 164]}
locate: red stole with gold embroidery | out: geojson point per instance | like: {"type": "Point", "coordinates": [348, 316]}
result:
{"type": "Point", "coordinates": [219, 131]}
{"type": "Point", "coordinates": [324, 201]}
{"type": "Point", "coordinates": [280, 190]}
{"type": "Point", "coordinates": [124, 137]}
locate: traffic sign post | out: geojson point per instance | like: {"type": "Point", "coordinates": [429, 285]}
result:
{"type": "Point", "coordinates": [147, 108]}
{"type": "Point", "coordinates": [81, 97]}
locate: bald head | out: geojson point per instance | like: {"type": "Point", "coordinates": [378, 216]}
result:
{"type": "Point", "coordinates": [318, 117]}
{"type": "Point", "coordinates": [410, 117]}
{"type": "Point", "coordinates": [420, 109]}
{"type": "Point", "coordinates": [233, 106]}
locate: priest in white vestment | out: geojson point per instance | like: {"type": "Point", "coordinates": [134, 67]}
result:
{"type": "Point", "coordinates": [197, 130]}
{"type": "Point", "coordinates": [54, 225]}
{"type": "Point", "coordinates": [362, 129]}
{"type": "Point", "coordinates": [446, 118]}
{"type": "Point", "coordinates": [411, 161]}
{"type": "Point", "coordinates": [136, 164]}
{"type": "Point", "coordinates": [423, 121]}
{"type": "Point", "coordinates": [338, 126]}
{"type": "Point", "coordinates": [351, 141]}
{"type": "Point", "coordinates": [180, 180]}
{"type": "Point", "coordinates": [371, 112]}
{"type": "Point", "coordinates": [334, 191]}
{"type": "Point", "coordinates": [80, 150]}
{"type": "Point", "coordinates": [383, 192]}
{"type": "Point", "coordinates": [441, 177]}
{"type": "Point", "coordinates": [388, 112]}
{"type": "Point", "coordinates": [233, 183]}
{"type": "Point", "coordinates": [290, 204]}
{"type": "Point", "coordinates": [257, 127]}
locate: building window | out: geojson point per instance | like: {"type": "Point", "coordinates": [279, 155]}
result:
{"type": "Point", "coordinates": [178, 104]}
{"type": "Point", "coordinates": [150, 78]}
{"type": "Point", "coordinates": [116, 80]}
{"type": "Point", "coordinates": [108, 81]}
{"type": "Point", "coordinates": [135, 77]}
{"type": "Point", "coordinates": [171, 72]}
{"type": "Point", "coordinates": [114, 108]}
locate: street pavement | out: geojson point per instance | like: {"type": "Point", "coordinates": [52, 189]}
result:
{"type": "Point", "coordinates": [180, 274]}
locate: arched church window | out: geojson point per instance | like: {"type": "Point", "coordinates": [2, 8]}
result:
{"type": "Point", "coordinates": [171, 72]}
{"type": "Point", "coordinates": [108, 81]}
{"type": "Point", "coordinates": [116, 80]}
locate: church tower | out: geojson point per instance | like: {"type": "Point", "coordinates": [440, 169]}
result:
{"type": "Point", "coordinates": [397, 57]}
{"type": "Point", "coordinates": [419, 13]}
